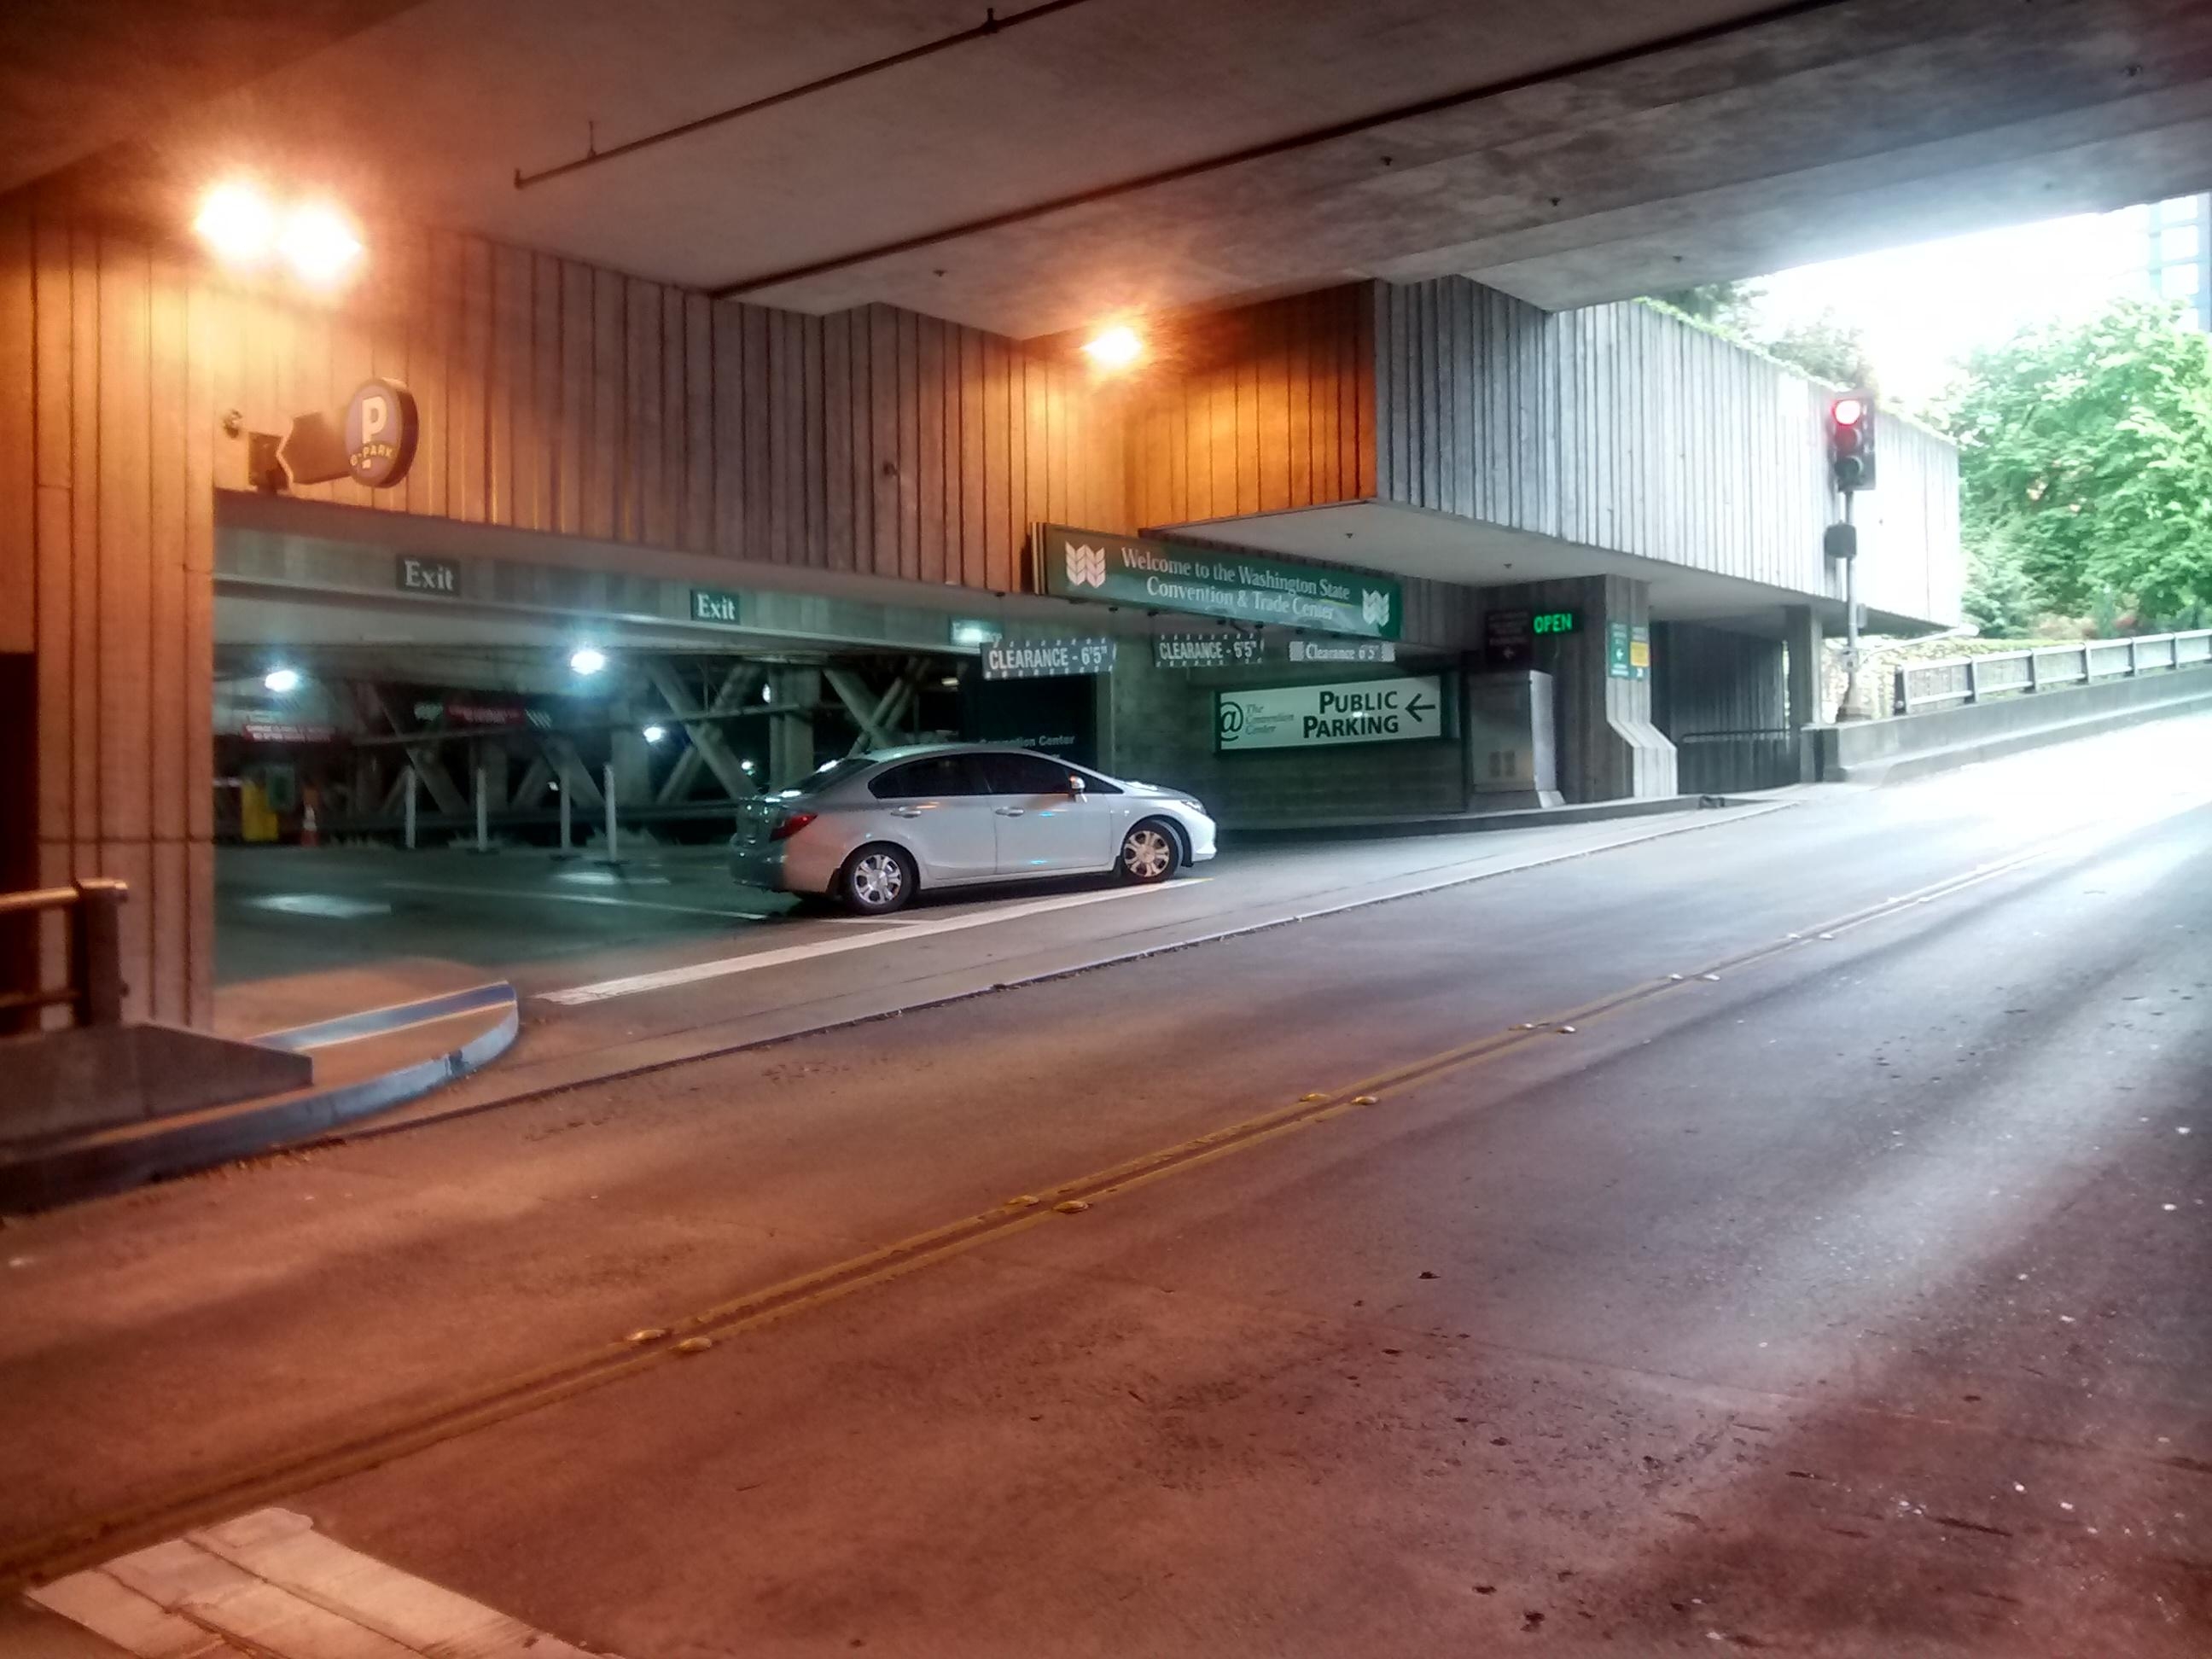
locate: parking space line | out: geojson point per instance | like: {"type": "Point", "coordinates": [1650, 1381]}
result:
{"type": "Point", "coordinates": [661, 980]}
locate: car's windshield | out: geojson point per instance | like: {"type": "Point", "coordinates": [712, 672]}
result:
{"type": "Point", "coordinates": [815, 782]}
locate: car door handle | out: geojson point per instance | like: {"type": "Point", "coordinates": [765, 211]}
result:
{"type": "Point", "coordinates": [1008, 811]}
{"type": "Point", "coordinates": [906, 811]}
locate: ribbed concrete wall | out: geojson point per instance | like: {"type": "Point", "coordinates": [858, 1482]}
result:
{"type": "Point", "coordinates": [1623, 429]}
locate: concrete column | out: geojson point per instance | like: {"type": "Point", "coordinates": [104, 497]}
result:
{"type": "Point", "coordinates": [1608, 748]}
{"type": "Point", "coordinates": [791, 728]}
{"type": "Point", "coordinates": [1803, 637]}
{"type": "Point", "coordinates": [109, 439]}
{"type": "Point", "coordinates": [491, 755]}
{"type": "Point", "coordinates": [631, 754]}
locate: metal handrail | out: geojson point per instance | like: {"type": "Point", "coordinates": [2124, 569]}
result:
{"type": "Point", "coordinates": [95, 988]}
{"type": "Point", "coordinates": [1927, 685]}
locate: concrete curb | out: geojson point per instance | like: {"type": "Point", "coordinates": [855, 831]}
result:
{"type": "Point", "coordinates": [130, 1155]}
{"type": "Point", "coordinates": [1465, 824]}
{"type": "Point", "coordinates": [685, 1047]}
{"type": "Point", "coordinates": [1905, 769]}
{"type": "Point", "coordinates": [375, 1021]}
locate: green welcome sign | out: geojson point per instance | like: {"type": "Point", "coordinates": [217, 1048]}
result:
{"type": "Point", "coordinates": [1155, 575]}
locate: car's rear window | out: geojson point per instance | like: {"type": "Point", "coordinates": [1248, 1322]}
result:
{"type": "Point", "coordinates": [836, 772]}
{"type": "Point", "coordinates": [932, 776]}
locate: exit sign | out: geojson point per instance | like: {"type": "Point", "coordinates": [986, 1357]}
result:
{"type": "Point", "coordinates": [1553, 621]}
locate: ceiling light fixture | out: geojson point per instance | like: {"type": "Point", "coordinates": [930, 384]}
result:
{"type": "Point", "coordinates": [318, 244]}
{"type": "Point", "coordinates": [1116, 349]}
{"type": "Point", "coordinates": [237, 223]}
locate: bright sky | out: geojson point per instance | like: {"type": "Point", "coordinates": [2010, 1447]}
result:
{"type": "Point", "coordinates": [1924, 307]}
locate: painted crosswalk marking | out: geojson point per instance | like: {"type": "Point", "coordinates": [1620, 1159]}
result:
{"type": "Point", "coordinates": [269, 1583]}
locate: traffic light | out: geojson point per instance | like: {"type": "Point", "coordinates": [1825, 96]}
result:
{"type": "Point", "coordinates": [1850, 441]}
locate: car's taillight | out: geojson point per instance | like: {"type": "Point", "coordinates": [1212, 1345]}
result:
{"type": "Point", "coordinates": [790, 824]}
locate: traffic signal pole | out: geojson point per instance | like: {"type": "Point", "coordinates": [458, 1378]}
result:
{"type": "Point", "coordinates": [1853, 707]}
{"type": "Point", "coordinates": [1852, 468]}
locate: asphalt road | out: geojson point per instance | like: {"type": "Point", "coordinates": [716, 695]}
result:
{"type": "Point", "coordinates": [1853, 1300]}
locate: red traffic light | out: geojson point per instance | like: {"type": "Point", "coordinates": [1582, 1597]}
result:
{"type": "Point", "coordinates": [1850, 441]}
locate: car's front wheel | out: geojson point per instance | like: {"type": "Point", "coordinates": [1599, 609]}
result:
{"type": "Point", "coordinates": [875, 881]}
{"type": "Point", "coordinates": [1149, 852]}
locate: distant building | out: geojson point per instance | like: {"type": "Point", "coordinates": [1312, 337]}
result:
{"type": "Point", "coordinates": [2179, 265]}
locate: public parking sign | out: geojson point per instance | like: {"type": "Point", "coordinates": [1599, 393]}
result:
{"type": "Point", "coordinates": [1308, 716]}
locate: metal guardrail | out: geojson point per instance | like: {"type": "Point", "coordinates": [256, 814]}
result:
{"type": "Point", "coordinates": [1922, 685]}
{"type": "Point", "coordinates": [94, 991]}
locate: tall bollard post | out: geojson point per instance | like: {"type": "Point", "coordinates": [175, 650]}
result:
{"type": "Point", "coordinates": [613, 852]}
{"type": "Point", "coordinates": [565, 843]}
{"type": "Point", "coordinates": [484, 835]}
{"type": "Point", "coordinates": [409, 808]}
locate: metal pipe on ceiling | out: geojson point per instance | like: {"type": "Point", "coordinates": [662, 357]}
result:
{"type": "Point", "coordinates": [1705, 35]}
{"type": "Point", "coordinates": [993, 24]}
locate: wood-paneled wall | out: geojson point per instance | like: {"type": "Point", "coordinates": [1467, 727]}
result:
{"type": "Point", "coordinates": [106, 518]}
{"type": "Point", "coordinates": [1625, 429]}
{"type": "Point", "coordinates": [554, 397]}
{"type": "Point", "coordinates": [1256, 410]}
{"type": "Point", "coordinates": [560, 398]}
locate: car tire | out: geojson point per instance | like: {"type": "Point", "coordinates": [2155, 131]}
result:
{"type": "Point", "coordinates": [875, 881]}
{"type": "Point", "coordinates": [1150, 853]}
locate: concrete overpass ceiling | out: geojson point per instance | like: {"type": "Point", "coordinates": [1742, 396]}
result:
{"type": "Point", "coordinates": [1761, 137]}
{"type": "Point", "coordinates": [78, 76]}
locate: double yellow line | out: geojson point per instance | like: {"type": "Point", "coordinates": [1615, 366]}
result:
{"type": "Point", "coordinates": [97, 1539]}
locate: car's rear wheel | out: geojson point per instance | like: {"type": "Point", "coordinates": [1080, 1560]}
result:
{"type": "Point", "coordinates": [1150, 853]}
{"type": "Point", "coordinates": [875, 881]}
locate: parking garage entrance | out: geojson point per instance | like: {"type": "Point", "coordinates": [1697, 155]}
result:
{"type": "Point", "coordinates": [441, 751]}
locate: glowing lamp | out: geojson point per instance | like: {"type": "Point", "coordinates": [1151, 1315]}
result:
{"type": "Point", "coordinates": [237, 224]}
{"type": "Point", "coordinates": [1115, 348]}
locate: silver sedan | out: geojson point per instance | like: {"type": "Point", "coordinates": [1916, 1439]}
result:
{"type": "Point", "coordinates": [871, 830]}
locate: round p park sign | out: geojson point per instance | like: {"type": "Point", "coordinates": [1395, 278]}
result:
{"type": "Point", "coordinates": [381, 426]}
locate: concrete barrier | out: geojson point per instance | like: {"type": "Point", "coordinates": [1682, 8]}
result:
{"type": "Point", "coordinates": [391, 1057]}
{"type": "Point", "coordinates": [1914, 745]}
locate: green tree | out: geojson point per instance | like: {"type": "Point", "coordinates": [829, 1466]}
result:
{"type": "Point", "coordinates": [1825, 347]}
{"type": "Point", "coordinates": [2086, 450]}
{"type": "Point", "coordinates": [1999, 599]}
{"type": "Point", "coordinates": [1731, 307]}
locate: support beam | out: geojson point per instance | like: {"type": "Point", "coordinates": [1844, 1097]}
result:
{"type": "Point", "coordinates": [877, 716]}
{"type": "Point", "coordinates": [569, 766]}
{"type": "Point", "coordinates": [536, 778]}
{"type": "Point", "coordinates": [708, 748]}
{"type": "Point", "coordinates": [423, 756]}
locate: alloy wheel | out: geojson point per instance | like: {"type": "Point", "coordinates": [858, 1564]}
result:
{"type": "Point", "coordinates": [878, 880]}
{"type": "Point", "coordinates": [1147, 854]}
